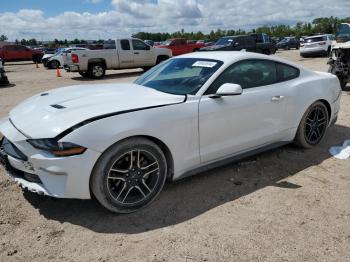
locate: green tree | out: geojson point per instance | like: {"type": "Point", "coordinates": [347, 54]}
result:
{"type": "Point", "coordinates": [3, 38]}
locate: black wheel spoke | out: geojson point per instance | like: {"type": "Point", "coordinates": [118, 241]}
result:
{"type": "Point", "coordinates": [315, 125]}
{"type": "Point", "coordinates": [133, 177]}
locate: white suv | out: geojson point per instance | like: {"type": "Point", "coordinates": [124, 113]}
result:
{"type": "Point", "coordinates": [316, 45]}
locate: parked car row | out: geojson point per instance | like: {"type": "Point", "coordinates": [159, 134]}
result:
{"type": "Point", "coordinates": [10, 52]}
{"type": "Point", "coordinates": [258, 43]}
{"type": "Point", "coordinates": [309, 46]}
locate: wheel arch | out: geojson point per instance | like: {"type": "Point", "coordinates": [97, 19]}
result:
{"type": "Point", "coordinates": [97, 60]}
{"type": "Point", "coordinates": [328, 106]}
{"type": "Point", "coordinates": [165, 149]}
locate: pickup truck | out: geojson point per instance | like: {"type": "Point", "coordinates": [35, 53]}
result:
{"type": "Point", "coordinates": [9, 53]}
{"type": "Point", "coordinates": [180, 46]}
{"type": "Point", "coordinates": [258, 43]}
{"type": "Point", "coordinates": [118, 54]}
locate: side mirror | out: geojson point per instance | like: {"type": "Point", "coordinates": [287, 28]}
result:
{"type": "Point", "coordinates": [148, 47]}
{"type": "Point", "coordinates": [228, 90]}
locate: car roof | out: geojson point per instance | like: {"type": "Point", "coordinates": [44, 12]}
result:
{"type": "Point", "coordinates": [314, 36]}
{"type": "Point", "coordinates": [229, 57]}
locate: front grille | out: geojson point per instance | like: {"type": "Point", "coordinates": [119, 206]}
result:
{"type": "Point", "coordinates": [15, 172]}
{"type": "Point", "coordinates": [11, 150]}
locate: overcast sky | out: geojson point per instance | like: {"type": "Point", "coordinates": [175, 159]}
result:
{"type": "Point", "coordinates": [93, 19]}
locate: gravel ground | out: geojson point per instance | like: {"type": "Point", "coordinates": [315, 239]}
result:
{"type": "Point", "coordinates": [283, 205]}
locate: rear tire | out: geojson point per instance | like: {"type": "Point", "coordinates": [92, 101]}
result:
{"type": "Point", "coordinates": [129, 175]}
{"type": "Point", "coordinates": [96, 70]}
{"type": "Point", "coordinates": [313, 126]}
{"type": "Point", "coordinates": [161, 59]}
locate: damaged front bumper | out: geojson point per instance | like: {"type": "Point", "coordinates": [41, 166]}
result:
{"type": "Point", "coordinates": [42, 173]}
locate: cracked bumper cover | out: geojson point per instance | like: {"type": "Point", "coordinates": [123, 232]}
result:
{"type": "Point", "coordinates": [42, 173]}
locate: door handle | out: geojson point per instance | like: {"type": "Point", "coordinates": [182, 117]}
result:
{"type": "Point", "coordinates": [277, 98]}
{"type": "Point", "coordinates": [136, 53]}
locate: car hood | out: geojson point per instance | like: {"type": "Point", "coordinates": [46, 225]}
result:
{"type": "Point", "coordinates": [46, 115]}
{"type": "Point", "coordinates": [47, 56]}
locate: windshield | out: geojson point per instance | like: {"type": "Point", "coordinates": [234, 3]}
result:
{"type": "Point", "coordinates": [180, 76]}
{"type": "Point", "coordinates": [284, 40]}
{"type": "Point", "coordinates": [343, 31]}
{"type": "Point", "coordinates": [167, 42]}
{"type": "Point", "coordinates": [315, 39]}
{"type": "Point", "coordinates": [225, 41]}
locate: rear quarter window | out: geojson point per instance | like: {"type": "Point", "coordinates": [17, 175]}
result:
{"type": "Point", "coordinates": [286, 72]}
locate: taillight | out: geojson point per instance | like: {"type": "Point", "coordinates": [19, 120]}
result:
{"type": "Point", "coordinates": [75, 58]}
{"type": "Point", "coordinates": [322, 43]}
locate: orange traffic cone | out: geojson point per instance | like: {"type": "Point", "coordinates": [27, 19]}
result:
{"type": "Point", "coordinates": [37, 65]}
{"type": "Point", "coordinates": [58, 72]}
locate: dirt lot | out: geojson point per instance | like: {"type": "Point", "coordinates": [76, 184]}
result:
{"type": "Point", "coordinates": [284, 205]}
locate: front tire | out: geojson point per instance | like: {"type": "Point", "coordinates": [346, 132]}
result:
{"type": "Point", "coordinates": [129, 175]}
{"type": "Point", "coordinates": [313, 126]}
{"type": "Point", "coordinates": [54, 64]}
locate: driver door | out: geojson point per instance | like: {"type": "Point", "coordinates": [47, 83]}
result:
{"type": "Point", "coordinates": [231, 125]}
{"type": "Point", "coordinates": [143, 54]}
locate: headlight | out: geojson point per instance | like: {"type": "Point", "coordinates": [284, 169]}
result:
{"type": "Point", "coordinates": [57, 148]}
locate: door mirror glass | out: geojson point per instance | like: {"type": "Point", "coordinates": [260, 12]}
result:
{"type": "Point", "coordinates": [229, 90]}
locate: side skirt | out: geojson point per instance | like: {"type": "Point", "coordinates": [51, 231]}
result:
{"type": "Point", "coordinates": [230, 159]}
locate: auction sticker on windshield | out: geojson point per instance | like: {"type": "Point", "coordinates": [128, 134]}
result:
{"type": "Point", "coordinates": [209, 64]}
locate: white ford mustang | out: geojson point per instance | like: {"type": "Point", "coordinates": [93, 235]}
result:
{"type": "Point", "coordinates": [121, 142]}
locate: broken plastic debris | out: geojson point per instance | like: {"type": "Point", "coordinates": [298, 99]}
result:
{"type": "Point", "coordinates": [341, 152]}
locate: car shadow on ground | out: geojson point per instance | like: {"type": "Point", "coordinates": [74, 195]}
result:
{"type": "Point", "coordinates": [110, 76]}
{"type": "Point", "coordinates": [7, 86]}
{"type": "Point", "coordinates": [188, 198]}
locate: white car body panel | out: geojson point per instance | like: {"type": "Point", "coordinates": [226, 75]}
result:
{"type": "Point", "coordinates": [197, 130]}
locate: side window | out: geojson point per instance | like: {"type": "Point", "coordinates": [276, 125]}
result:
{"type": "Point", "coordinates": [139, 45]}
{"type": "Point", "coordinates": [286, 72]}
{"type": "Point", "coordinates": [21, 48]}
{"type": "Point", "coordinates": [10, 48]}
{"type": "Point", "coordinates": [249, 41]}
{"type": "Point", "coordinates": [248, 74]}
{"type": "Point", "coordinates": [125, 44]}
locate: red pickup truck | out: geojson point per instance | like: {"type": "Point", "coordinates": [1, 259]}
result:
{"type": "Point", "coordinates": [19, 53]}
{"type": "Point", "coordinates": [180, 46]}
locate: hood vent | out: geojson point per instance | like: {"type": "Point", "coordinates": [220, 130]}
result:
{"type": "Point", "coordinates": [58, 106]}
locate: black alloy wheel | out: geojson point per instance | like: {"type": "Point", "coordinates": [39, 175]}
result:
{"type": "Point", "coordinates": [316, 125]}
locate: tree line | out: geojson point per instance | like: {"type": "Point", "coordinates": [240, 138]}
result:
{"type": "Point", "coordinates": [324, 25]}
